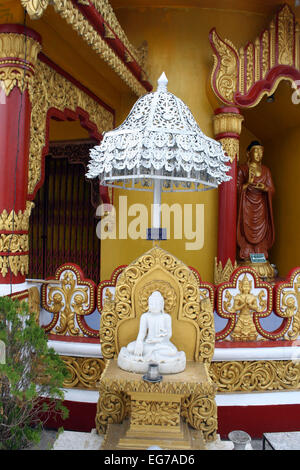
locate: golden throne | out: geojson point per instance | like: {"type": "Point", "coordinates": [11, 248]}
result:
{"type": "Point", "coordinates": [180, 411]}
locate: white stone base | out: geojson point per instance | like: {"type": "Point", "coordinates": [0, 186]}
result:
{"type": "Point", "coordinates": [72, 440]}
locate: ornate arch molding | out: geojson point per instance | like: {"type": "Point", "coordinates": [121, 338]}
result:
{"type": "Point", "coordinates": [242, 77]}
{"type": "Point", "coordinates": [54, 95]}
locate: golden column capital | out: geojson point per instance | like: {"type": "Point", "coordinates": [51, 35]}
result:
{"type": "Point", "coordinates": [19, 48]}
{"type": "Point", "coordinates": [227, 124]}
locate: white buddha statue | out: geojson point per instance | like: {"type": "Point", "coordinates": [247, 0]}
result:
{"type": "Point", "coordinates": [153, 342]}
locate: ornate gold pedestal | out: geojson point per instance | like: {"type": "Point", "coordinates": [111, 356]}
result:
{"type": "Point", "coordinates": [123, 437]}
{"type": "Point", "coordinates": [264, 270]}
{"type": "Point", "coordinates": [177, 413]}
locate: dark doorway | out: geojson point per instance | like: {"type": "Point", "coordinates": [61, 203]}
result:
{"type": "Point", "coordinates": [63, 224]}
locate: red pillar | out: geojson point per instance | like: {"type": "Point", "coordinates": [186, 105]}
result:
{"type": "Point", "coordinates": [227, 218]}
{"type": "Point", "coordinates": [20, 47]}
{"type": "Point", "coordinates": [227, 128]}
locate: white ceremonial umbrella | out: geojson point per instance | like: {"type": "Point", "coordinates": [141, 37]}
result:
{"type": "Point", "coordinates": [159, 147]}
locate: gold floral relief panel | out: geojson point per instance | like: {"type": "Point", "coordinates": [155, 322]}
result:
{"type": "Point", "coordinates": [255, 376]}
{"type": "Point", "coordinates": [84, 372]}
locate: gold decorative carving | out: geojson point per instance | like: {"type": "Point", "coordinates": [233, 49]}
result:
{"type": "Point", "coordinates": [67, 315]}
{"type": "Point", "coordinates": [14, 70]}
{"type": "Point", "coordinates": [13, 243]}
{"type": "Point", "coordinates": [108, 33]}
{"type": "Point", "coordinates": [297, 46]}
{"type": "Point", "coordinates": [264, 269]}
{"type": "Point", "coordinates": [257, 59]}
{"type": "Point", "coordinates": [13, 221]}
{"type": "Point", "coordinates": [255, 376]}
{"type": "Point", "coordinates": [242, 70]}
{"type": "Point", "coordinates": [246, 307]}
{"type": "Point", "coordinates": [190, 394]}
{"type": "Point", "coordinates": [162, 413]}
{"type": "Point", "coordinates": [79, 23]}
{"type": "Point", "coordinates": [200, 411]}
{"type": "Point", "coordinates": [227, 377]}
{"type": "Point", "coordinates": [154, 407]}
{"type": "Point", "coordinates": [35, 8]}
{"type": "Point", "coordinates": [165, 289]}
{"type": "Point", "coordinates": [108, 325]}
{"type": "Point", "coordinates": [113, 407]}
{"type": "Point", "coordinates": [228, 122]}
{"type": "Point", "coordinates": [34, 303]}
{"type": "Point", "coordinates": [288, 304]}
{"type": "Point", "coordinates": [231, 146]}
{"type": "Point", "coordinates": [244, 304]}
{"type": "Point", "coordinates": [250, 66]}
{"type": "Point", "coordinates": [235, 72]}
{"type": "Point", "coordinates": [16, 264]}
{"type": "Point", "coordinates": [14, 46]}
{"type": "Point", "coordinates": [52, 90]}
{"type": "Point", "coordinates": [176, 387]}
{"type": "Point", "coordinates": [226, 75]}
{"type": "Point", "coordinates": [13, 76]}
{"type": "Point", "coordinates": [106, 10]}
{"type": "Point", "coordinates": [265, 53]}
{"type": "Point", "coordinates": [156, 263]}
{"type": "Point", "coordinates": [286, 36]}
{"type": "Point", "coordinates": [272, 43]}
{"type": "Point", "coordinates": [84, 372]}
{"type": "Point", "coordinates": [223, 274]}
{"type": "Point", "coordinates": [69, 302]}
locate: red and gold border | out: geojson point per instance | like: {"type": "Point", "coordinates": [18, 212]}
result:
{"type": "Point", "coordinates": [290, 311]}
{"type": "Point", "coordinates": [232, 284]}
{"type": "Point", "coordinates": [242, 77]}
{"type": "Point", "coordinates": [108, 283]}
{"type": "Point", "coordinates": [97, 24]}
{"type": "Point", "coordinates": [80, 281]}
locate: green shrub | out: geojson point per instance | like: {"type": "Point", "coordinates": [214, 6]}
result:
{"type": "Point", "coordinates": [31, 370]}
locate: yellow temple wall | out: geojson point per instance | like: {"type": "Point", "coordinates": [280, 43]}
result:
{"type": "Point", "coordinates": [282, 156]}
{"type": "Point", "coordinates": [179, 46]}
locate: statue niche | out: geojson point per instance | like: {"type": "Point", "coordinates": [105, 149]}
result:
{"type": "Point", "coordinates": [255, 226]}
{"type": "Point", "coordinates": [157, 299]}
{"type": "Point", "coordinates": [153, 342]}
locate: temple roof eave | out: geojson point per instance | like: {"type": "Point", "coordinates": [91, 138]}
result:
{"type": "Point", "coordinates": [96, 24]}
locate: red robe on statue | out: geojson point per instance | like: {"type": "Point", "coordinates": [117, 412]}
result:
{"type": "Point", "coordinates": [255, 226]}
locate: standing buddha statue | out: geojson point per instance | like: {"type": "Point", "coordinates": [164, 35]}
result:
{"type": "Point", "coordinates": [255, 225]}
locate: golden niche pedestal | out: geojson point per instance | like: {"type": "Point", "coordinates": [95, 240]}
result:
{"type": "Point", "coordinates": [177, 413]}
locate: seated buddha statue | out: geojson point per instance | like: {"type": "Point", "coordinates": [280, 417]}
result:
{"type": "Point", "coordinates": [153, 344]}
